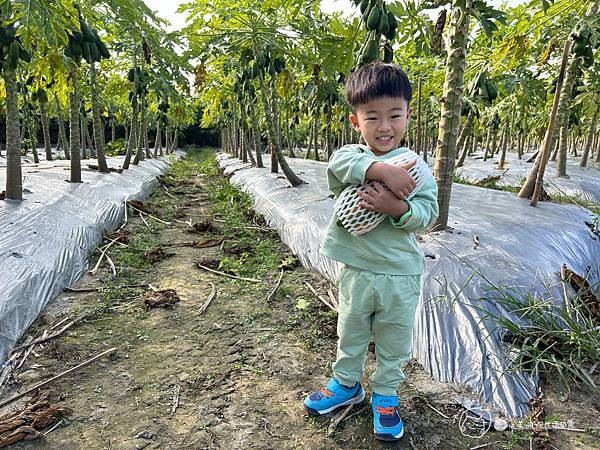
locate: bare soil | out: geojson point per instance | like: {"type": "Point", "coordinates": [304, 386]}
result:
{"type": "Point", "coordinates": [235, 376]}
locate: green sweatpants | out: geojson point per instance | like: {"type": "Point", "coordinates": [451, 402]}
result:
{"type": "Point", "coordinates": [379, 305]}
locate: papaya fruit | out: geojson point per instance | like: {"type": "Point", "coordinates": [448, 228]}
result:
{"type": "Point", "coordinates": [9, 35]}
{"type": "Point", "coordinates": [78, 36]}
{"type": "Point", "coordinates": [492, 91]}
{"type": "Point", "coordinates": [371, 52]}
{"type": "Point", "coordinates": [383, 25]}
{"type": "Point", "coordinates": [131, 75]}
{"type": "Point", "coordinates": [392, 22]}
{"type": "Point", "coordinates": [94, 53]}
{"type": "Point", "coordinates": [372, 3]}
{"type": "Point", "coordinates": [103, 49]}
{"type": "Point", "coordinates": [96, 36]}
{"type": "Point", "coordinates": [373, 19]}
{"type": "Point", "coordinates": [85, 51]}
{"type": "Point", "coordinates": [585, 32]}
{"type": "Point", "coordinates": [388, 53]}
{"type": "Point", "coordinates": [76, 49]}
{"type": "Point", "coordinates": [13, 55]}
{"type": "Point", "coordinates": [579, 47]}
{"type": "Point", "coordinates": [364, 4]}
{"type": "Point", "coordinates": [68, 52]}
{"type": "Point", "coordinates": [483, 92]}
{"type": "Point", "coordinates": [88, 35]}
{"type": "Point", "coordinates": [279, 64]}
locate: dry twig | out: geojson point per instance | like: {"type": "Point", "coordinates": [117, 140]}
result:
{"type": "Point", "coordinates": [320, 297]}
{"type": "Point", "coordinates": [337, 419]}
{"type": "Point", "coordinates": [253, 280]}
{"type": "Point", "coordinates": [60, 375]}
{"type": "Point", "coordinates": [272, 293]}
{"type": "Point", "coordinates": [212, 295]}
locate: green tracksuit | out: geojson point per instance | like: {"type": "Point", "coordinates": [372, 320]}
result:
{"type": "Point", "coordinates": [380, 284]}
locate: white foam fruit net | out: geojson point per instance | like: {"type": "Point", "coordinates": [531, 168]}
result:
{"type": "Point", "coordinates": [358, 220]}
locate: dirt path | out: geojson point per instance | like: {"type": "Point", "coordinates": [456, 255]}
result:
{"type": "Point", "coordinates": [233, 377]}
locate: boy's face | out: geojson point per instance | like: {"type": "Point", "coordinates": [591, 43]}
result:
{"type": "Point", "coordinates": [382, 123]}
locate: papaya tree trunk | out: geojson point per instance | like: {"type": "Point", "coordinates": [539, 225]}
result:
{"type": "Point", "coordinates": [451, 105]}
{"type": "Point", "coordinates": [465, 133]}
{"type": "Point", "coordinates": [46, 130]}
{"type": "Point", "coordinates": [32, 137]}
{"type": "Point", "coordinates": [75, 132]}
{"type": "Point", "coordinates": [98, 129]}
{"type": "Point", "coordinates": [590, 139]}
{"type": "Point", "coordinates": [157, 141]}
{"type": "Point", "coordinates": [255, 133]}
{"type": "Point", "coordinates": [533, 184]}
{"type": "Point", "coordinates": [14, 186]}
{"type": "Point", "coordinates": [139, 155]}
{"type": "Point", "coordinates": [61, 129]}
{"type": "Point", "coordinates": [145, 126]}
{"type": "Point", "coordinates": [287, 171]}
{"type": "Point", "coordinates": [502, 160]}
{"type": "Point", "coordinates": [563, 116]}
{"type": "Point", "coordinates": [316, 133]}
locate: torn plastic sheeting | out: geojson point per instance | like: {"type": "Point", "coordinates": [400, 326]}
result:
{"type": "Point", "coordinates": [583, 182]}
{"type": "Point", "coordinates": [519, 246]}
{"type": "Point", "coordinates": [46, 240]}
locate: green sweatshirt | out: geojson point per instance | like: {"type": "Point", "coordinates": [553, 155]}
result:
{"type": "Point", "coordinates": [390, 248]}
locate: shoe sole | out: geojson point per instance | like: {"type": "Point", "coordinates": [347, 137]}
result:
{"type": "Point", "coordinates": [352, 401]}
{"type": "Point", "coordinates": [389, 437]}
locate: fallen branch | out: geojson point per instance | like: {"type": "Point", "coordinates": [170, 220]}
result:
{"type": "Point", "coordinates": [149, 215]}
{"type": "Point", "coordinates": [143, 220]}
{"type": "Point", "coordinates": [440, 413]}
{"type": "Point", "coordinates": [270, 296]}
{"type": "Point", "coordinates": [102, 255]}
{"type": "Point", "coordinates": [52, 336]}
{"type": "Point", "coordinates": [125, 286]}
{"type": "Point", "coordinates": [253, 280]}
{"type": "Point", "coordinates": [320, 297]}
{"type": "Point", "coordinates": [212, 295]}
{"type": "Point", "coordinates": [168, 193]}
{"type": "Point", "coordinates": [336, 420]}
{"type": "Point", "coordinates": [60, 375]}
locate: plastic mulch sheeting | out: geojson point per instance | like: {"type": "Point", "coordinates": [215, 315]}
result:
{"type": "Point", "coordinates": [583, 182]}
{"type": "Point", "coordinates": [519, 246]}
{"type": "Point", "coordinates": [47, 239]}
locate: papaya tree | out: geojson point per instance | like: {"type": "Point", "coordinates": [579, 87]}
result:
{"type": "Point", "coordinates": [461, 12]}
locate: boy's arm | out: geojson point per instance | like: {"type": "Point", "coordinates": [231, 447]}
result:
{"type": "Point", "coordinates": [348, 165]}
{"type": "Point", "coordinates": [351, 165]}
{"type": "Point", "coordinates": [424, 209]}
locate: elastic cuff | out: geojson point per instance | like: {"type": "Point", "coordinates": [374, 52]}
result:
{"type": "Point", "coordinates": [382, 390]}
{"type": "Point", "coordinates": [404, 219]}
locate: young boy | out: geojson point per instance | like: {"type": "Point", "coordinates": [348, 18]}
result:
{"type": "Point", "coordinates": [380, 283]}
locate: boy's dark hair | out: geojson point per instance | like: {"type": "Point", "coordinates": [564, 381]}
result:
{"type": "Point", "coordinates": [375, 80]}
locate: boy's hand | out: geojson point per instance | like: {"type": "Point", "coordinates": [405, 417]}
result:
{"type": "Point", "coordinates": [379, 199]}
{"type": "Point", "coordinates": [398, 180]}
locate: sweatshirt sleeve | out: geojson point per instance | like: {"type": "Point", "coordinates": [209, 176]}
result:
{"type": "Point", "coordinates": [424, 208]}
{"type": "Point", "coordinates": [348, 165]}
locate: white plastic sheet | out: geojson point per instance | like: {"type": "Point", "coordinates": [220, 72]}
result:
{"type": "Point", "coordinates": [46, 240]}
{"type": "Point", "coordinates": [518, 246]}
{"type": "Point", "coordinates": [583, 182]}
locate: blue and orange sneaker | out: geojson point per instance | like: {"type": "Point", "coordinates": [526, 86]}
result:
{"type": "Point", "coordinates": [332, 397]}
{"type": "Point", "coordinates": [387, 423]}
